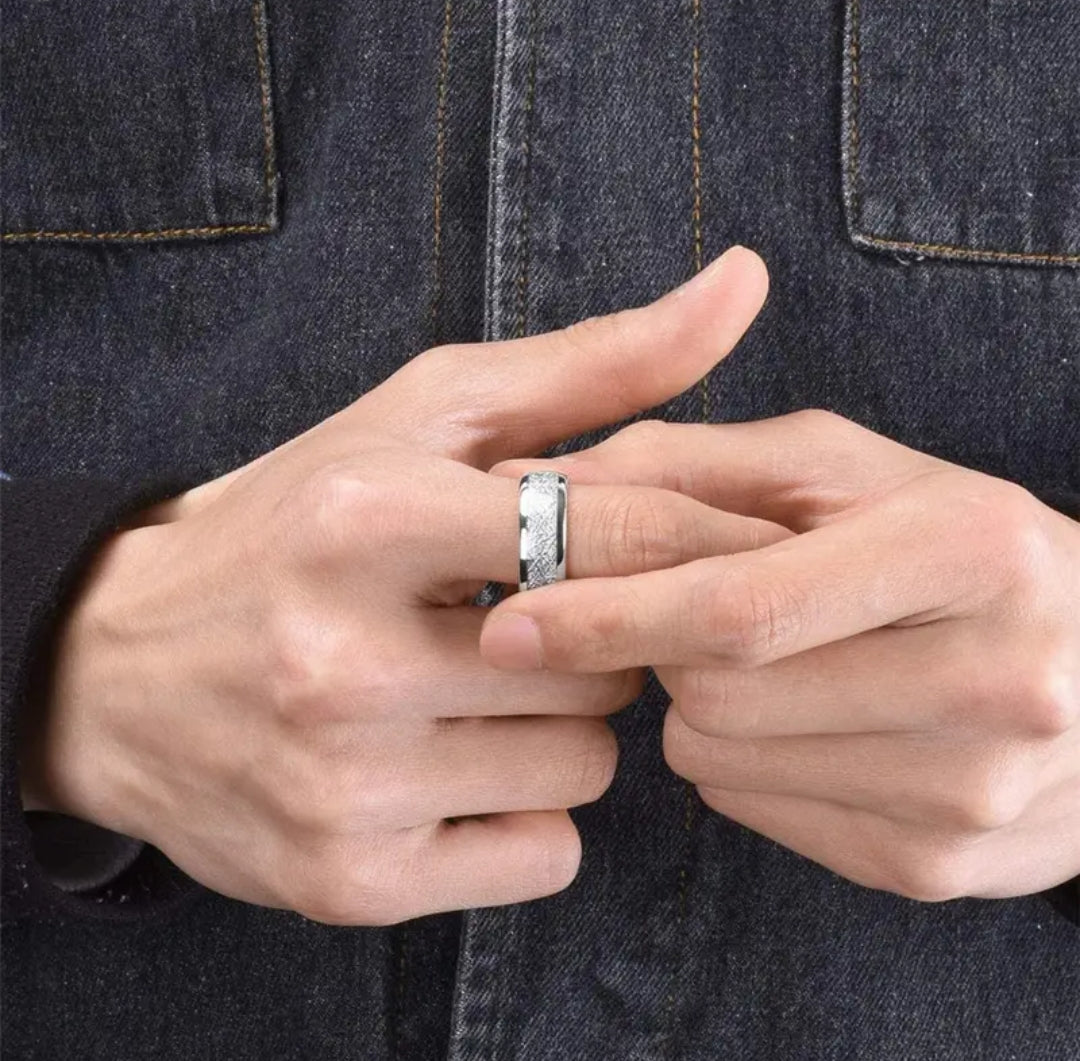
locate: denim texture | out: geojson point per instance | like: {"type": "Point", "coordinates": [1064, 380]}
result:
{"type": "Point", "coordinates": [458, 170]}
{"type": "Point", "coordinates": [1008, 69]}
{"type": "Point", "coordinates": [146, 123]}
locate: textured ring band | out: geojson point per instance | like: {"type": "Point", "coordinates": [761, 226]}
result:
{"type": "Point", "coordinates": [542, 529]}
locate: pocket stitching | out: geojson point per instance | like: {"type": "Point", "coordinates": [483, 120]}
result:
{"type": "Point", "coordinates": [258, 16]}
{"type": "Point", "coordinates": [852, 88]}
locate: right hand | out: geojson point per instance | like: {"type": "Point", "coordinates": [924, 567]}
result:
{"type": "Point", "coordinates": [276, 678]}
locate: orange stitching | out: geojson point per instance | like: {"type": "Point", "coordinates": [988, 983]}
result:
{"type": "Point", "coordinates": [199, 231]}
{"type": "Point", "coordinates": [973, 252]}
{"type": "Point", "coordinates": [258, 15]}
{"type": "Point", "coordinates": [402, 964]}
{"type": "Point", "coordinates": [853, 131]}
{"type": "Point", "coordinates": [155, 234]}
{"type": "Point", "coordinates": [688, 822]}
{"type": "Point", "coordinates": [526, 149]}
{"type": "Point", "coordinates": [689, 814]}
{"type": "Point", "coordinates": [885, 243]}
{"type": "Point", "coordinates": [697, 252]}
{"type": "Point", "coordinates": [695, 167]}
{"type": "Point", "coordinates": [440, 163]}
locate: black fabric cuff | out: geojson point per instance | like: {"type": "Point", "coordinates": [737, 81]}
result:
{"type": "Point", "coordinates": [1065, 899]}
{"type": "Point", "coordinates": [77, 856]}
{"type": "Point", "coordinates": [52, 865]}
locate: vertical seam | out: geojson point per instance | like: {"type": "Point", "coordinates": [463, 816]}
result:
{"type": "Point", "coordinates": [258, 14]}
{"type": "Point", "coordinates": [697, 252]}
{"type": "Point", "coordinates": [689, 815]}
{"type": "Point", "coordinates": [697, 242]}
{"type": "Point", "coordinates": [441, 90]}
{"type": "Point", "coordinates": [526, 150]}
{"type": "Point", "coordinates": [853, 117]}
{"type": "Point", "coordinates": [441, 83]}
{"type": "Point", "coordinates": [399, 991]}
{"type": "Point", "coordinates": [496, 214]}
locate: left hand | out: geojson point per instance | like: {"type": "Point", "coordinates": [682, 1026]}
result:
{"type": "Point", "coordinates": [893, 692]}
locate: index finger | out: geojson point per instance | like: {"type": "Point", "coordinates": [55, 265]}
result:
{"type": "Point", "coordinates": [744, 609]}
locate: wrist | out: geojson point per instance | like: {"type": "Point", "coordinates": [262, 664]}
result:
{"type": "Point", "coordinates": [63, 747]}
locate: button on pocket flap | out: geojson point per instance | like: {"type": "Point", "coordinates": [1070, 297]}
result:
{"type": "Point", "coordinates": [133, 122]}
{"type": "Point", "coordinates": [962, 129]}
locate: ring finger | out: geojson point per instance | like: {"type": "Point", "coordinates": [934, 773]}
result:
{"type": "Point", "coordinates": [611, 531]}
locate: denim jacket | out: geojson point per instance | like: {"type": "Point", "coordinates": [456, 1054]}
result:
{"type": "Point", "coordinates": [225, 219]}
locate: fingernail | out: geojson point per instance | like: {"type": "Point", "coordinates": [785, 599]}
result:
{"type": "Point", "coordinates": [707, 276]}
{"type": "Point", "coordinates": [513, 642]}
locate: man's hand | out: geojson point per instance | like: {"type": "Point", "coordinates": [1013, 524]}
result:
{"type": "Point", "coordinates": [893, 692]}
{"type": "Point", "coordinates": [276, 678]}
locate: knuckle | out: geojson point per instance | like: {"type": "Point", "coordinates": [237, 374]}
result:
{"type": "Point", "coordinates": [332, 891]}
{"type": "Point", "coordinates": [313, 806]}
{"type": "Point", "coordinates": [317, 796]}
{"type": "Point", "coordinates": [994, 798]}
{"type": "Point", "coordinates": [712, 797]}
{"type": "Point", "coordinates": [336, 501]}
{"type": "Point", "coordinates": [383, 800]}
{"type": "Point", "coordinates": [705, 697]}
{"type": "Point", "coordinates": [584, 335]}
{"type": "Point", "coordinates": [933, 873]}
{"type": "Point", "coordinates": [591, 633]}
{"type": "Point", "coordinates": [442, 377]}
{"type": "Point", "coordinates": [324, 799]}
{"type": "Point", "coordinates": [816, 422]}
{"type": "Point", "coordinates": [631, 684]}
{"type": "Point", "coordinates": [748, 619]}
{"type": "Point", "coordinates": [597, 336]}
{"type": "Point", "coordinates": [592, 769]}
{"type": "Point", "coordinates": [439, 364]}
{"type": "Point", "coordinates": [1006, 520]}
{"type": "Point", "coordinates": [639, 532]}
{"type": "Point", "coordinates": [299, 668]}
{"type": "Point", "coordinates": [308, 680]}
{"type": "Point", "coordinates": [605, 694]}
{"type": "Point", "coordinates": [642, 436]}
{"type": "Point", "coordinates": [1049, 703]}
{"type": "Point", "coordinates": [380, 689]}
{"type": "Point", "coordinates": [680, 746]}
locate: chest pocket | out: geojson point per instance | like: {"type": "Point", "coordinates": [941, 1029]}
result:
{"type": "Point", "coordinates": [127, 122]}
{"type": "Point", "coordinates": [962, 129]}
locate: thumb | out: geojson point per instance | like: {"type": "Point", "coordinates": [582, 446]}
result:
{"type": "Point", "coordinates": [484, 402]}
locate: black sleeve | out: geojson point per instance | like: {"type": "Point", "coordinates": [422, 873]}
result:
{"type": "Point", "coordinates": [53, 865]}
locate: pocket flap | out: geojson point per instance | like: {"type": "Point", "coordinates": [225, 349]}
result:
{"type": "Point", "coordinates": [962, 129]}
{"type": "Point", "coordinates": [135, 122]}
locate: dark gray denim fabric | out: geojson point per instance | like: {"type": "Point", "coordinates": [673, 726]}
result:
{"type": "Point", "coordinates": [457, 170]}
{"type": "Point", "coordinates": [914, 183]}
{"type": "Point", "coordinates": [138, 129]}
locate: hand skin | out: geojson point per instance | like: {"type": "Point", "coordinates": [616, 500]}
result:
{"type": "Point", "coordinates": [276, 679]}
{"type": "Point", "coordinates": [894, 692]}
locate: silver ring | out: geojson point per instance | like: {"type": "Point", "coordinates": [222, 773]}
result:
{"type": "Point", "coordinates": [542, 529]}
